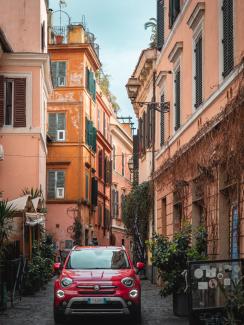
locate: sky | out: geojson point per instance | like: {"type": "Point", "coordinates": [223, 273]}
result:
{"type": "Point", "coordinates": [118, 26]}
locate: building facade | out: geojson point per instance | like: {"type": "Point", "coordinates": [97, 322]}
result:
{"type": "Point", "coordinates": [122, 145]}
{"type": "Point", "coordinates": [198, 173]}
{"type": "Point", "coordinates": [25, 85]}
{"type": "Point", "coordinates": [71, 163]}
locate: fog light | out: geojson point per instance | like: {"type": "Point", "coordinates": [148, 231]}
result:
{"type": "Point", "coordinates": [60, 293]}
{"type": "Point", "coordinates": [133, 293]}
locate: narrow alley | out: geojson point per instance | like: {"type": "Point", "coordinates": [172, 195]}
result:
{"type": "Point", "coordinates": [37, 309]}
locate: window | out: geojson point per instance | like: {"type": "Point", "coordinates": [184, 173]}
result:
{"type": "Point", "coordinates": [174, 10]}
{"type": "Point", "coordinates": [94, 192]}
{"type": "Point", "coordinates": [91, 135]}
{"type": "Point", "coordinates": [198, 71]}
{"type": "Point", "coordinates": [123, 164]}
{"type": "Point", "coordinates": [122, 203]}
{"type": "Point", "coordinates": [43, 36]}
{"type": "Point", "coordinates": [162, 122]}
{"type": "Point", "coordinates": [87, 187]}
{"type": "Point", "coordinates": [98, 119]}
{"type": "Point", "coordinates": [160, 24]}
{"type": "Point", "coordinates": [55, 184]}
{"type": "Point", "coordinates": [164, 216]}
{"type": "Point", "coordinates": [58, 69]}
{"type": "Point", "coordinates": [104, 125]}
{"type": "Point", "coordinates": [12, 102]}
{"type": "Point", "coordinates": [56, 126]}
{"type": "Point", "coordinates": [228, 46]}
{"type": "Point", "coordinates": [114, 157]}
{"type": "Point", "coordinates": [115, 203]}
{"type": "Point", "coordinates": [91, 83]}
{"type": "Point", "coordinates": [177, 99]}
{"type": "Point", "coordinates": [100, 163]}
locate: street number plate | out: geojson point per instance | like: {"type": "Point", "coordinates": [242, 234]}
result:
{"type": "Point", "coordinates": [96, 300]}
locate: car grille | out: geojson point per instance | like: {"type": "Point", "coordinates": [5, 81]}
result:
{"type": "Point", "coordinates": [103, 290]}
{"type": "Point", "coordinates": [86, 305]}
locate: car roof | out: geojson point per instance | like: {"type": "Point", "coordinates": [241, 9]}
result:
{"type": "Point", "coordinates": [77, 248]}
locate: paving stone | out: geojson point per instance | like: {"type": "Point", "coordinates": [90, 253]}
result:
{"type": "Point", "coordinates": [37, 310]}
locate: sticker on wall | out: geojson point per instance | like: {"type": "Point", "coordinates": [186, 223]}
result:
{"type": "Point", "coordinates": [202, 286]}
{"type": "Point", "coordinates": [220, 276]}
{"type": "Point", "coordinates": [236, 268]}
{"type": "Point", "coordinates": [213, 283]}
{"type": "Point", "coordinates": [211, 273]}
{"type": "Point", "coordinates": [227, 268]}
{"type": "Point", "coordinates": [198, 273]}
{"type": "Point", "coordinates": [227, 282]}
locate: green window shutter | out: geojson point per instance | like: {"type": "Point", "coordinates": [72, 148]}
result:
{"type": "Point", "coordinates": [94, 191]}
{"type": "Point", "coordinates": [52, 126]}
{"type": "Point", "coordinates": [87, 79]}
{"type": "Point", "coordinates": [61, 73]}
{"type": "Point", "coordinates": [94, 139]}
{"type": "Point", "coordinates": [61, 121]}
{"type": "Point", "coordinates": [94, 89]}
{"type": "Point", "coordinates": [51, 185]}
{"type": "Point", "coordinates": [198, 72]}
{"type": "Point", "coordinates": [228, 42]}
{"type": "Point", "coordinates": [60, 178]}
{"type": "Point", "coordinates": [112, 204]}
{"type": "Point", "coordinates": [162, 122]}
{"type": "Point", "coordinates": [100, 164]}
{"type": "Point", "coordinates": [87, 187]}
{"type": "Point", "coordinates": [54, 73]}
{"type": "Point", "coordinates": [160, 24]}
{"type": "Point", "coordinates": [87, 130]}
{"type": "Point", "coordinates": [177, 100]}
{"type": "Point", "coordinates": [90, 133]}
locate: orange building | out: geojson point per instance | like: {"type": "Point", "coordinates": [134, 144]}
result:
{"type": "Point", "coordinates": [71, 162]}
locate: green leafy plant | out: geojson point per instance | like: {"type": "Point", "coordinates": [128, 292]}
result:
{"type": "Point", "coordinates": [152, 23]}
{"type": "Point", "coordinates": [77, 231]}
{"type": "Point", "coordinates": [171, 256]}
{"type": "Point", "coordinates": [6, 217]}
{"type": "Point", "coordinates": [33, 192]}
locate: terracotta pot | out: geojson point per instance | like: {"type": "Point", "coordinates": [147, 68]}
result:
{"type": "Point", "coordinates": [59, 39]}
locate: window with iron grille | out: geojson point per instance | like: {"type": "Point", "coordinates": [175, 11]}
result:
{"type": "Point", "coordinates": [228, 46]}
{"type": "Point", "coordinates": [160, 24]}
{"type": "Point", "coordinates": [174, 10]}
{"type": "Point", "coordinates": [177, 99]}
{"type": "Point", "coordinates": [58, 69]}
{"type": "Point", "coordinates": [198, 72]}
{"type": "Point", "coordinates": [162, 127]}
{"type": "Point", "coordinates": [55, 184]}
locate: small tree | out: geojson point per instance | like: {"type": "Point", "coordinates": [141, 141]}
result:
{"type": "Point", "coordinates": [6, 217]}
{"type": "Point", "coordinates": [152, 23]}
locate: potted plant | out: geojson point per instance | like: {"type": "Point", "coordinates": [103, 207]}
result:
{"type": "Point", "coordinates": [171, 258]}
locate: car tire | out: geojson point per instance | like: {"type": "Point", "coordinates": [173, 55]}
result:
{"type": "Point", "coordinates": [59, 318]}
{"type": "Point", "coordinates": [136, 316]}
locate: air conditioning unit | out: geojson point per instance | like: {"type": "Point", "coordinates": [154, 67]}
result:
{"type": "Point", "coordinates": [60, 192]}
{"type": "Point", "coordinates": [61, 81]}
{"type": "Point", "coordinates": [61, 135]}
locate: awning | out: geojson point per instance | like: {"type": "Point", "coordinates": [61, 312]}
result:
{"type": "Point", "coordinates": [21, 203]}
{"type": "Point", "coordinates": [33, 219]}
{"type": "Point", "coordinates": [1, 152]}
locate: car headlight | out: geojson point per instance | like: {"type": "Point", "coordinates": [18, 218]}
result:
{"type": "Point", "coordinates": [133, 293]}
{"type": "Point", "coordinates": [66, 282]}
{"type": "Point", "coordinates": [128, 282]}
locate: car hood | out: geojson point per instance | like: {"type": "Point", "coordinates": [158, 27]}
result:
{"type": "Point", "coordinates": [97, 275]}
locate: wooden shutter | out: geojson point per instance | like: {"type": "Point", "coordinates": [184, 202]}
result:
{"type": "Point", "coordinates": [198, 69]}
{"type": "Point", "coordinates": [144, 132]}
{"type": "Point", "coordinates": [113, 204]}
{"type": "Point", "coordinates": [54, 74]}
{"type": "Point", "coordinates": [160, 24]}
{"type": "Point", "coordinates": [140, 131]}
{"type": "Point", "coordinates": [20, 102]}
{"type": "Point", "coordinates": [60, 178]}
{"type": "Point", "coordinates": [1, 101]}
{"type": "Point", "coordinates": [61, 121]}
{"type": "Point", "coordinates": [52, 126]}
{"type": "Point", "coordinates": [87, 130]}
{"type": "Point", "coordinates": [87, 78]}
{"type": "Point", "coordinates": [51, 184]}
{"type": "Point", "coordinates": [62, 73]}
{"type": "Point", "coordinates": [100, 163]}
{"type": "Point", "coordinates": [43, 35]}
{"type": "Point", "coordinates": [87, 186]}
{"type": "Point", "coordinates": [94, 191]}
{"type": "Point", "coordinates": [162, 121]}
{"type": "Point", "coordinates": [174, 10]}
{"type": "Point", "coordinates": [177, 100]}
{"type": "Point", "coordinates": [117, 204]}
{"type": "Point", "coordinates": [94, 139]}
{"type": "Point", "coordinates": [228, 47]}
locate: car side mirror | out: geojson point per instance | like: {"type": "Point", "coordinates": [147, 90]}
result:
{"type": "Point", "coordinates": [57, 267]}
{"type": "Point", "coordinates": [140, 266]}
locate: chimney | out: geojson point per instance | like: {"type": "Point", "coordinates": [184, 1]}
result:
{"type": "Point", "coordinates": [76, 34]}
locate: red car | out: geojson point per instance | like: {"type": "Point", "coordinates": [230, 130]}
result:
{"type": "Point", "coordinates": [97, 280]}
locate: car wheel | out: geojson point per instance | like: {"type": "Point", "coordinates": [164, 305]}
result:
{"type": "Point", "coordinates": [136, 316]}
{"type": "Point", "coordinates": [59, 318]}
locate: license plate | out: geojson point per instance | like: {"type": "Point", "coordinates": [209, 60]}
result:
{"type": "Point", "coordinates": [96, 300]}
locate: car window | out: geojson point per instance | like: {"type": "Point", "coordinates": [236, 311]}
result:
{"type": "Point", "coordinates": [98, 259]}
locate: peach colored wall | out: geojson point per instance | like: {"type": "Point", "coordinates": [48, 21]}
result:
{"type": "Point", "coordinates": [23, 29]}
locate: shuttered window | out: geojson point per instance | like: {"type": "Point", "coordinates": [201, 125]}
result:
{"type": "Point", "coordinates": [13, 102]}
{"type": "Point", "coordinates": [91, 83]}
{"type": "Point", "coordinates": [174, 10]}
{"type": "Point", "coordinates": [114, 157]}
{"type": "Point", "coordinates": [57, 126]}
{"type": "Point", "coordinates": [55, 184]}
{"type": "Point", "coordinates": [43, 36]}
{"type": "Point", "coordinates": [87, 187]}
{"type": "Point", "coordinates": [140, 131]}
{"type": "Point", "coordinates": [177, 99]}
{"type": "Point", "coordinates": [123, 164]}
{"type": "Point", "coordinates": [198, 72]}
{"type": "Point", "coordinates": [58, 70]}
{"type": "Point", "coordinates": [160, 24]}
{"type": "Point", "coordinates": [115, 204]}
{"type": "Point", "coordinates": [144, 127]}
{"type": "Point", "coordinates": [91, 135]}
{"type": "Point", "coordinates": [107, 171]}
{"type": "Point", "coordinates": [94, 192]}
{"type": "Point", "coordinates": [228, 47]}
{"type": "Point", "coordinates": [100, 164]}
{"type": "Point", "coordinates": [162, 127]}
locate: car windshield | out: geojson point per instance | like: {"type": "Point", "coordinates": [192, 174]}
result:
{"type": "Point", "coordinates": [98, 259]}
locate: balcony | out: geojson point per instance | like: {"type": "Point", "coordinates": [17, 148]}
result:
{"type": "Point", "coordinates": [75, 33]}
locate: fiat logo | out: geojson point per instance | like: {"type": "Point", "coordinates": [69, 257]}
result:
{"type": "Point", "coordinates": [96, 287]}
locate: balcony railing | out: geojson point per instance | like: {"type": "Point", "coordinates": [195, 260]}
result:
{"type": "Point", "coordinates": [59, 35]}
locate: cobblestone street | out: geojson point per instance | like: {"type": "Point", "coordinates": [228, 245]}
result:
{"type": "Point", "coordinates": [37, 310]}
